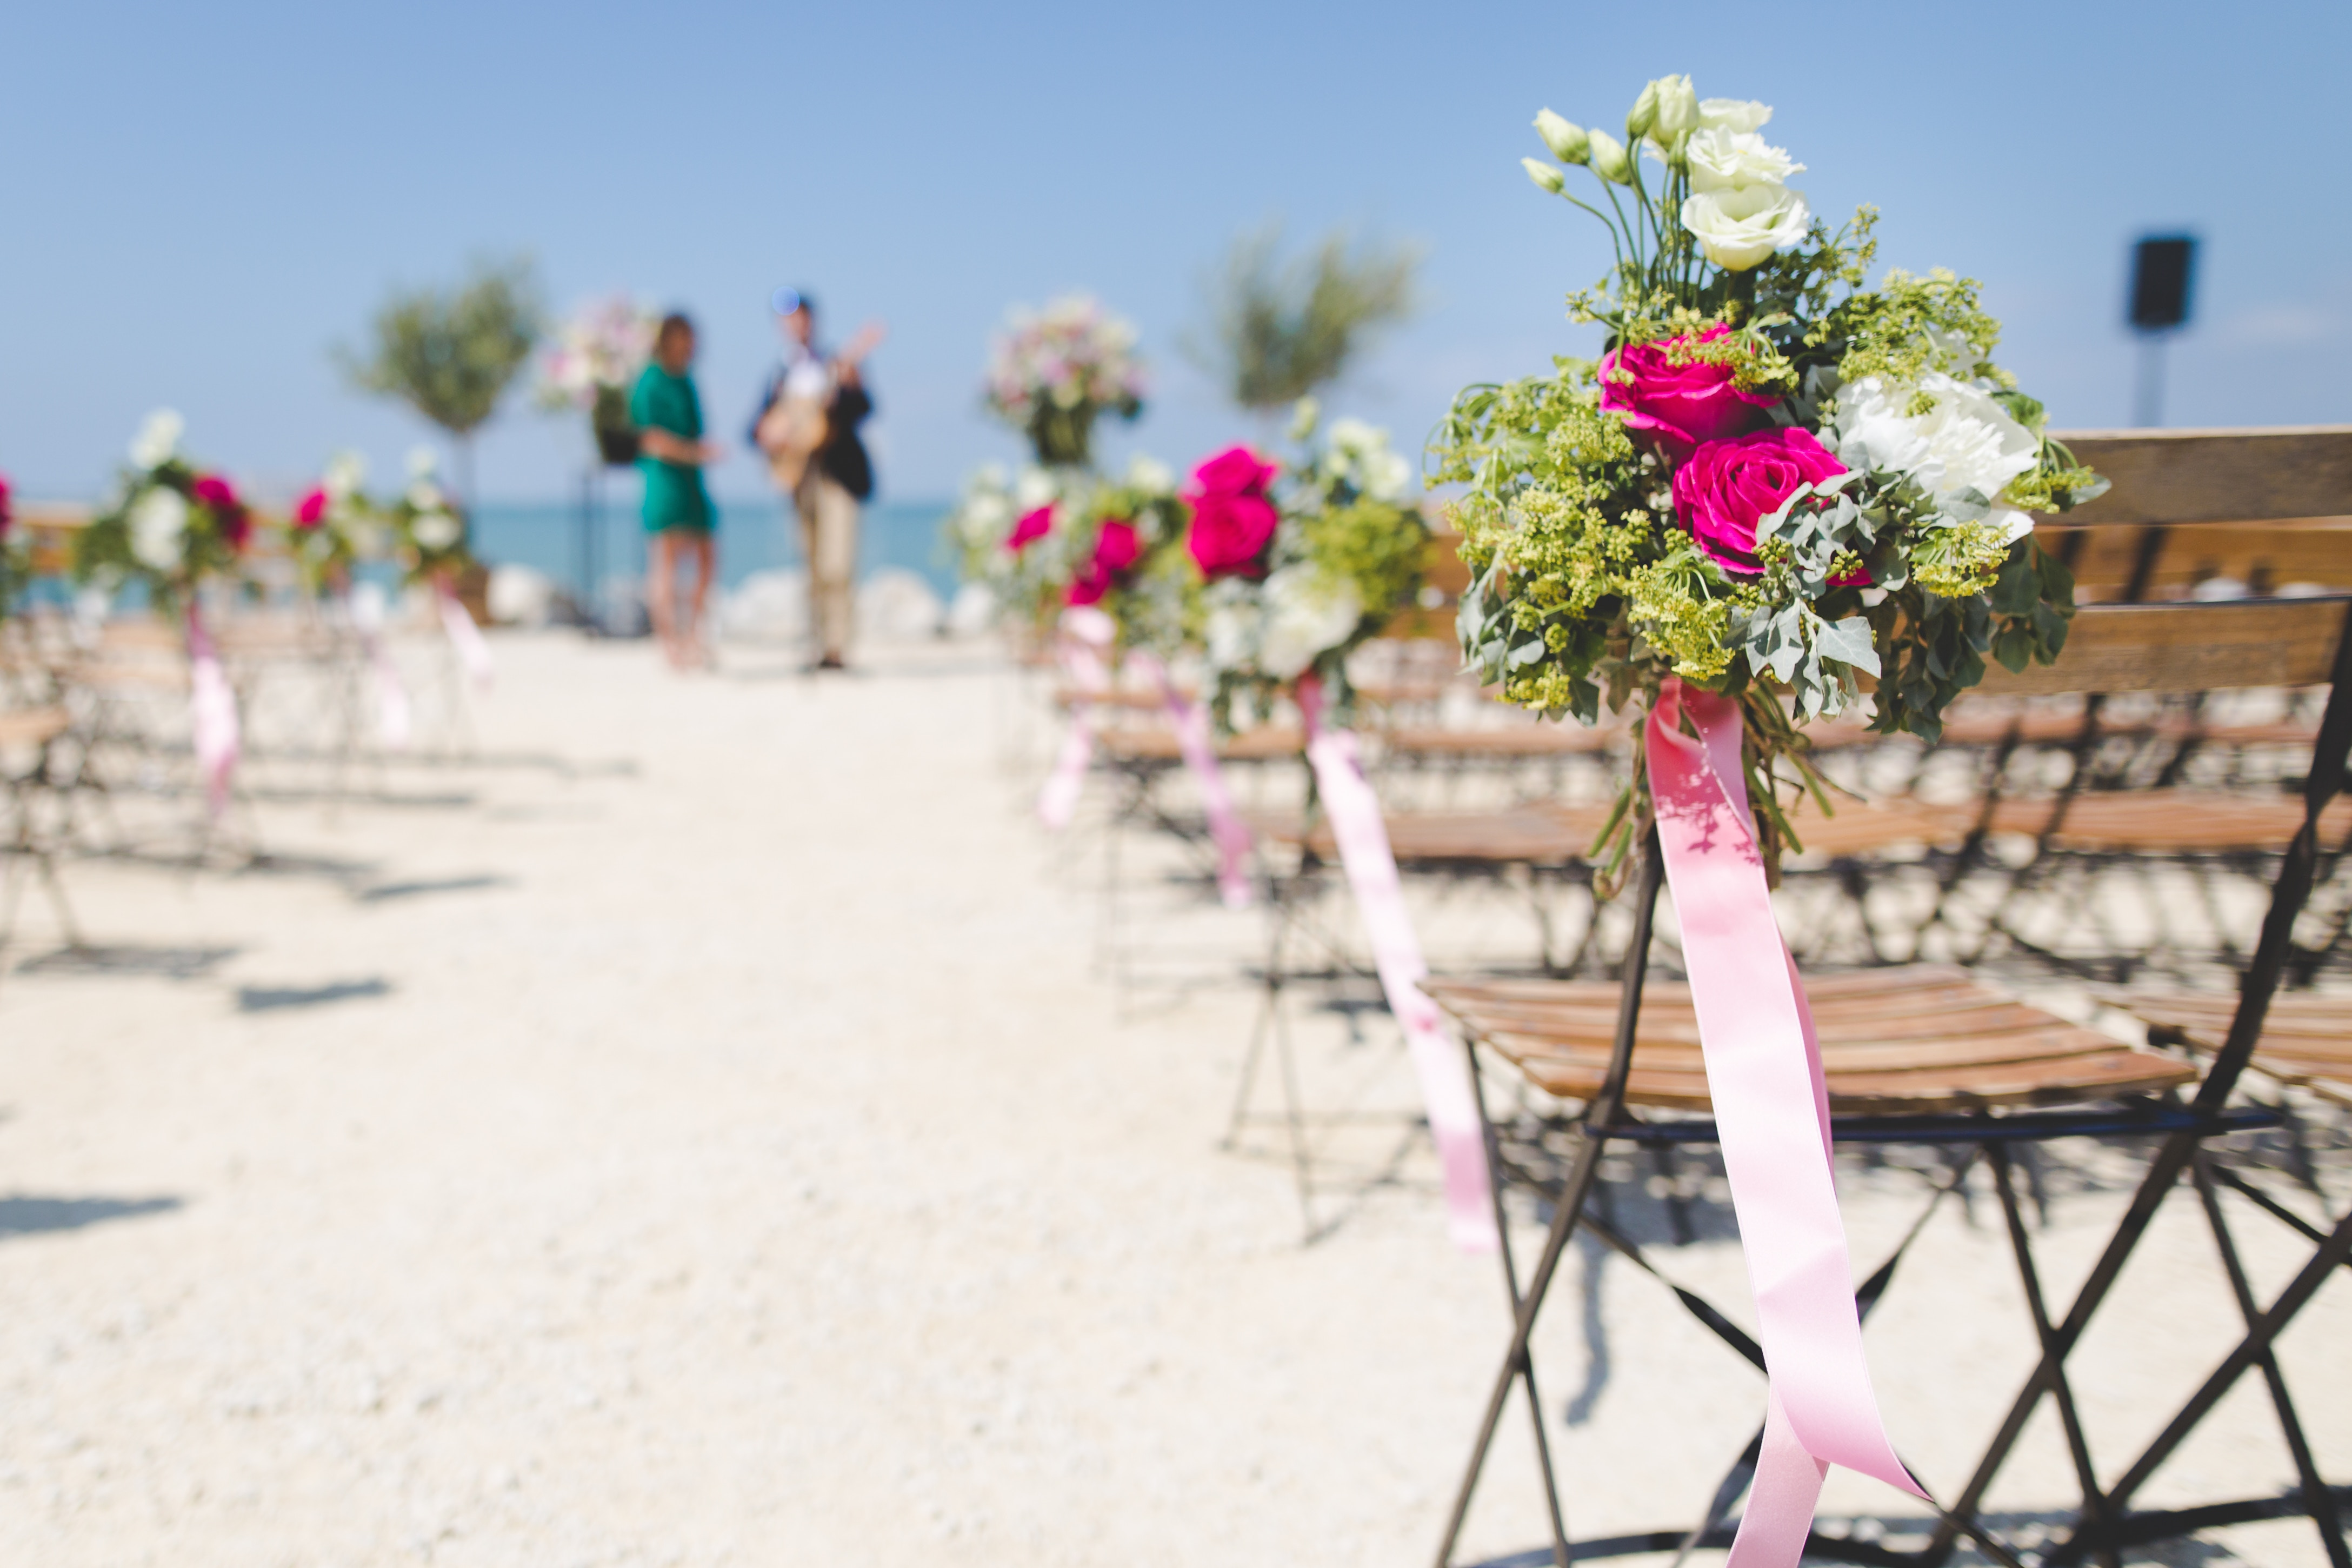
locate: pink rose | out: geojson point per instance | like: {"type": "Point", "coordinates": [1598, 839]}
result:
{"type": "Point", "coordinates": [310, 510]}
{"type": "Point", "coordinates": [1032, 526]}
{"type": "Point", "coordinates": [217, 496]}
{"type": "Point", "coordinates": [1678, 406]}
{"type": "Point", "coordinates": [1232, 521]}
{"type": "Point", "coordinates": [7, 515]}
{"type": "Point", "coordinates": [1116, 550]}
{"type": "Point", "coordinates": [1728, 486]}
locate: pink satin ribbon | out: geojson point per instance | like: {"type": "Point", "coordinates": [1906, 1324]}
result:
{"type": "Point", "coordinates": [366, 610]}
{"type": "Point", "coordinates": [1227, 829]}
{"type": "Point", "coordinates": [212, 713]}
{"type": "Point", "coordinates": [1772, 1116]}
{"type": "Point", "coordinates": [1085, 636]}
{"type": "Point", "coordinates": [464, 635]}
{"type": "Point", "coordinates": [1447, 1092]}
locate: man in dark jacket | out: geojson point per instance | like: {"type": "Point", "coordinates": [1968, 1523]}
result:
{"type": "Point", "coordinates": [807, 427]}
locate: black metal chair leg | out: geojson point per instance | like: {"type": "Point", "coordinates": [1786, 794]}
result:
{"type": "Point", "coordinates": [1600, 1113]}
{"type": "Point", "coordinates": [2317, 1501]}
{"type": "Point", "coordinates": [2097, 1518]}
{"type": "Point", "coordinates": [1511, 1289]}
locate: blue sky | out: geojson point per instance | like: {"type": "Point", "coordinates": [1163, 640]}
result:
{"type": "Point", "coordinates": [195, 203]}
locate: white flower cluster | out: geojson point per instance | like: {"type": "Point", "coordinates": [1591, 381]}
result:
{"type": "Point", "coordinates": [434, 523]}
{"type": "Point", "coordinates": [1072, 354]}
{"type": "Point", "coordinates": [1739, 209]}
{"type": "Point", "coordinates": [1962, 449]}
{"type": "Point", "coordinates": [603, 346]}
{"type": "Point", "coordinates": [1280, 627]}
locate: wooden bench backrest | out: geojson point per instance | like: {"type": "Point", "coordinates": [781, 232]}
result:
{"type": "Point", "coordinates": [2249, 504]}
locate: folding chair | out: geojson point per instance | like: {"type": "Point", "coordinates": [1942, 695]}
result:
{"type": "Point", "coordinates": [1921, 1054]}
{"type": "Point", "coordinates": [30, 844]}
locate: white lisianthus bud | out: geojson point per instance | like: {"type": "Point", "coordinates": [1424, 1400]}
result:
{"type": "Point", "coordinates": [1733, 114]}
{"type": "Point", "coordinates": [1609, 159]}
{"type": "Point", "coordinates": [1724, 160]}
{"type": "Point", "coordinates": [1567, 140]}
{"type": "Point", "coordinates": [1738, 229]}
{"type": "Point", "coordinates": [1643, 114]}
{"type": "Point", "coordinates": [1676, 113]}
{"type": "Point", "coordinates": [1545, 175]}
{"type": "Point", "coordinates": [1305, 415]}
{"type": "Point", "coordinates": [158, 440]}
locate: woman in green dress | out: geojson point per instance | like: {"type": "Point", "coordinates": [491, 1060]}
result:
{"type": "Point", "coordinates": [680, 518]}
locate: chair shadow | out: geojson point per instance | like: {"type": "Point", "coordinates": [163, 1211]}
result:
{"type": "Point", "coordinates": [28, 1216]}
{"type": "Point", "coordinates": [384, 892]}
{"type": "Point", "coordinates": [272, 999]}
{"type": "Point", "coordinates": [126, 959]}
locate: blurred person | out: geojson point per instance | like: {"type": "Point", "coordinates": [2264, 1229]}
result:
{"type": "Point", "coordinates": [680, 521]}
{"type": "Point", "coordinates": [808, 429]}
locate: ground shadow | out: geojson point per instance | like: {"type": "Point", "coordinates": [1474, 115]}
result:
{"type": "Point", "coordinates": [169, 963]}
{"type": "Point", "coordinates": [271, 998]}
{"type": "Point", "coordinates": [28, 1216]}
{"type": "Point", "coordinates": [383, 892]}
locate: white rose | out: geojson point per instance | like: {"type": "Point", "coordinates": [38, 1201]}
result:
{"type": "Point", "coordinates": [1733, 114]}
{"type": "Point", "coordinates": [1305, 614]}
{"type": "Point", "coordinates": [1734, 160]}
{"type": "Point", "coordinates": [1034, 489]}
{"type": "Point", "coordinates": [436, 531]}
{"type": "Point", "coordinates": [1151, 476]}
{"type": "Point", "coordinates": [425, 496]}
{"type": "Point", "coordinates": [1966, 442]}
{"type": "Point", "coordinates": [159, 523]}
{"type": "Point", "coordinates": [1738, 229]}
{"type": "Point", "coordinates": [422, 463]}
{"type": "Point", "coordinates": [158, 440]}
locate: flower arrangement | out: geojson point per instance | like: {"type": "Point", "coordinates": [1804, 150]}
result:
{"type": "Point", "coordinates": [333, 526]}
{"type": "Point", "coordinates": [1300, 569]}
{"type": "Point", "coordinates": [595, 361]}
{"type": "Point", "coordinates": [1052, 373]}
{"type": "Point", "coordinates": [427, 529]}
{"type": "Point", "coordinates": [172, 524]}
{"type": "Point", "coordinates": [1776, 483]}
{"type": "Point", "coordinates": [1047, 540]}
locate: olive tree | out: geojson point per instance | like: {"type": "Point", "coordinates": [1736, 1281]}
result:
{"type": "Point", "coordinates": [451, 354]}
{"type": "Point", "coordinates": [1281, 326]}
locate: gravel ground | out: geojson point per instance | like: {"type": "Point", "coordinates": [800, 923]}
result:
{"type": "Point", "coordinates": [703, 1130]}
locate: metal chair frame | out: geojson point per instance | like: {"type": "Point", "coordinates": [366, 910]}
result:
{"type": "Point", "coordinates": [2104, 1521]}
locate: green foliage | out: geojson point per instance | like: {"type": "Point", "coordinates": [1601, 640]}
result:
{"type": "Point", "coordinates": [451, 354]}
{"type": "Point", "coordinates": [1280, 329]}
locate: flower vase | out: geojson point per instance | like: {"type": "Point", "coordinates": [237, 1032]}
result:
{"type": "Point", "coordinates": [1062, 437]}
{"type": "Point", "coordinates": [618, 442]}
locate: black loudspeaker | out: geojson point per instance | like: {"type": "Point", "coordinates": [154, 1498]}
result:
{"type": "Point", "coordinates": [2159, 287]}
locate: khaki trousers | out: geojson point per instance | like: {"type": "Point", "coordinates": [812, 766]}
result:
{"type": "Point", "coordinates": [829, 544]}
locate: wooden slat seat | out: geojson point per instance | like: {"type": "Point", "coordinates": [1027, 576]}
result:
{"type": "Point", "coordinates": [1141, 743]}
{"type": "Point", "coordinates": [1530, 835]}
{"type": "Point", "coordinates": [1133, 697]}
{"type": "Point", "coordinates": [2306, 1039]}
{"type": "Point", "coordinates": [33, 726]}
{"type": "Point", "coordinates": [1917, 1040]}
{"type": "Point", "coordinates": [1498, 742]}
{"type": "Point", "coordinates": [2170, 821]}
